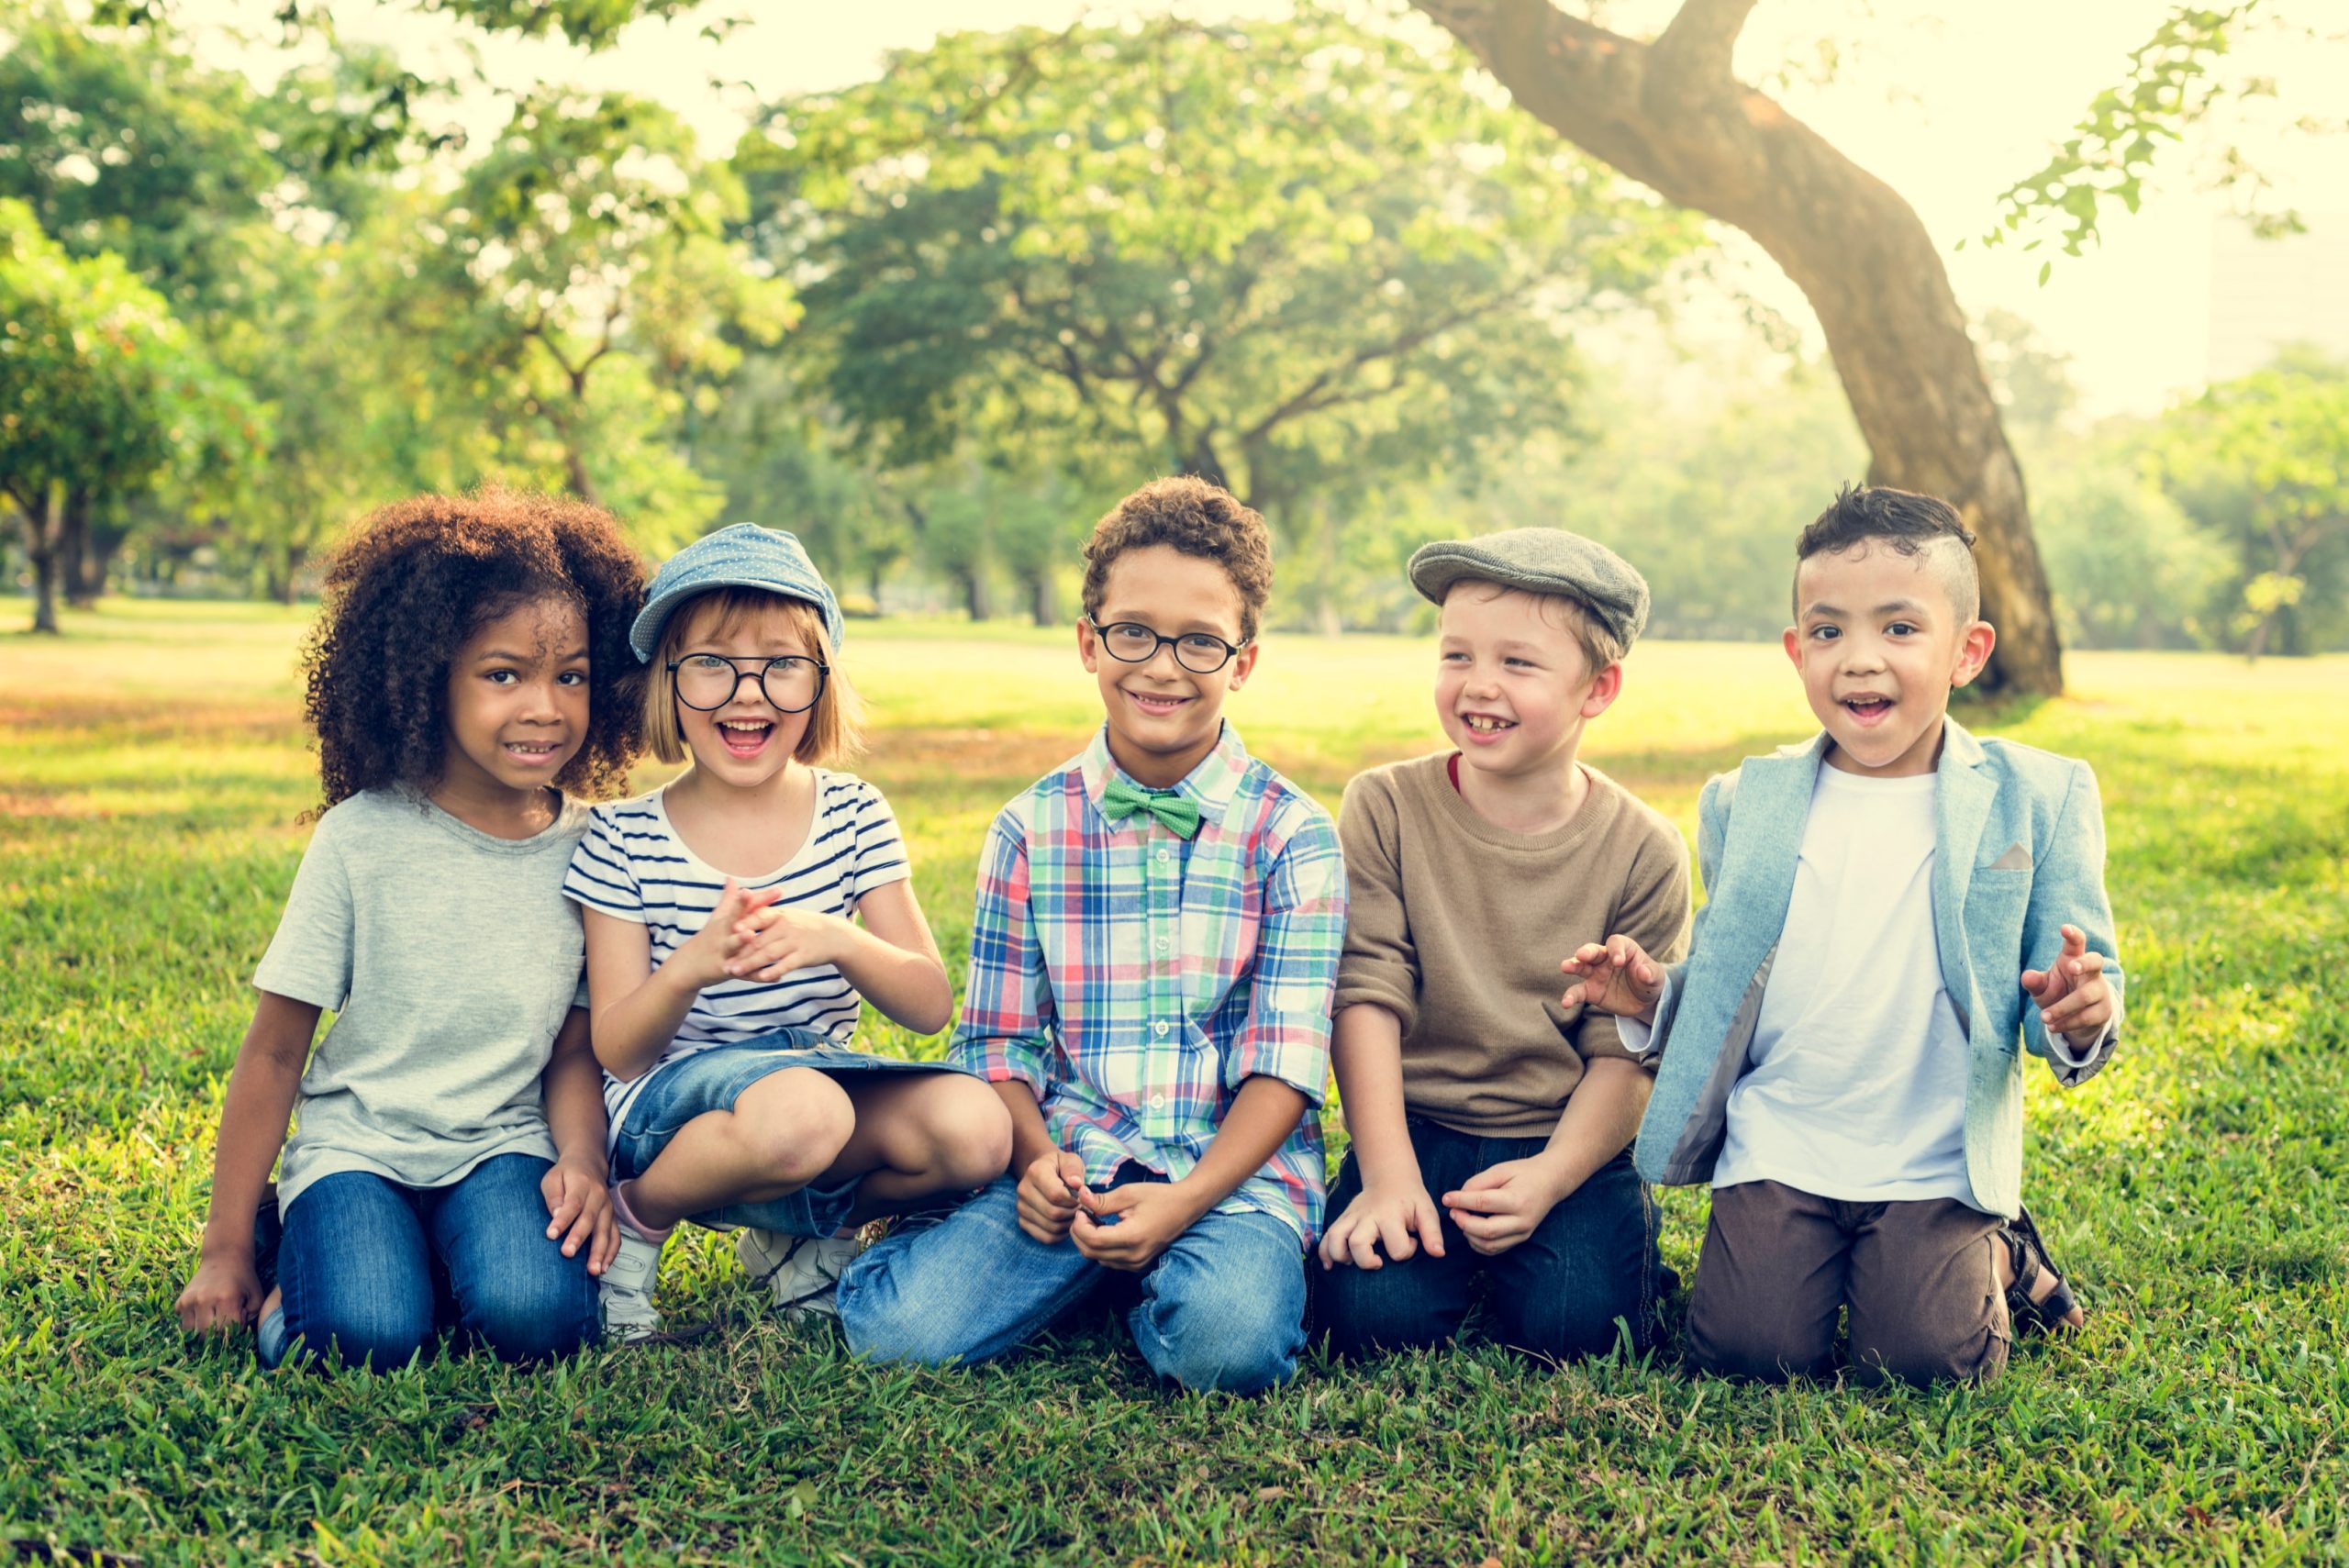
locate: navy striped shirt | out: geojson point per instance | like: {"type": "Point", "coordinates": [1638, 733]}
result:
{"type": "Point", "coordinates": [633, 865]}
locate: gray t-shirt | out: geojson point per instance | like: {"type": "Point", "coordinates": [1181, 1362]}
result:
{"type": "Point", "coordinates": [451, 959]}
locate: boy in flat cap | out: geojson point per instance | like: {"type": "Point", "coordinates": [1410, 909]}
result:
{"type": "Point", "coordinates": [1891, 907]}
{"type": "Point", "coordinates": [1491, 1124]}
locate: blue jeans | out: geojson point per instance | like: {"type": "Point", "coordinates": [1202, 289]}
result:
{"type": "Point", "coordinates": [1559, 1293]}
{"type": "Point", "coordinates": [712, 1080]}
{"type": "Point", "coordinates": [373, 1269]}
{"type": "Point", "coordinates": [1223, 1308]}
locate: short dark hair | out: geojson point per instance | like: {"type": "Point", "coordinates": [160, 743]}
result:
{"type": "Point", "coordinates": [1197, 518]}
{"type": "Point", "coordinates": [418, 577]}
{"type": "Point", "coordinates": [1908, 524]}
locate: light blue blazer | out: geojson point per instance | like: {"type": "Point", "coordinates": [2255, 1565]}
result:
{"type": "Point", "coordinates": [2020, 852]}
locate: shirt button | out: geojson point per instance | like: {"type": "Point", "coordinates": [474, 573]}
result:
{"type": "Point", "coordinates": [1160, 1027]}
{"type": "Point", "coordinates": [1157, 1102]}
{"type": "Point", "coordinates": [1165, 944]}
{"type": "Point", "coordinates": [1164, 855]}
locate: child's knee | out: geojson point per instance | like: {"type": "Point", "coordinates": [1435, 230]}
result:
{"type": "Point", "coordinates": [1367, 1312]}
{"type": "Point", "coordinates": [792, 1126]}
{"type": "Point", "coordinates": [1751, 1341]}
{"type": "Point", "coordinates": [1222, 1333]}
{"type": "Point", "coordinates": [971, 1131]}
{"type": "Point", "coordinates": [378, 1333]}
{"type": "Point", "coordinates": [1913, 1353]}
{"type": "Point", "coordinates": [885, 1321]}
{"type": "Point", "coordinates": [1227, 1360]}
{"type": "Point", "coordinates": [534, 1318]}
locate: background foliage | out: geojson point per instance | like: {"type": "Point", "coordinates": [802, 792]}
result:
{"type": "Point", "coordinates": [937, 321]}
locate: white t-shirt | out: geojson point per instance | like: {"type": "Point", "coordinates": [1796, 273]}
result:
{"type": "Point", "coordinates": [1854, 1085]}
{"type": "Point", "coordinates": [633, 865]}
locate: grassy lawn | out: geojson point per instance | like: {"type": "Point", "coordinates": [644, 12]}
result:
{"type": "Point", "coordinates": [151, 768]}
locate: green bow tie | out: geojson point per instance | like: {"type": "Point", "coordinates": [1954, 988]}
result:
{"type": "Point", "coordinates": [1121, 799]}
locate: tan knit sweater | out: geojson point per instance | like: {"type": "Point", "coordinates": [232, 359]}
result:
{"type": "Point", "coordinates": [1457, 926]}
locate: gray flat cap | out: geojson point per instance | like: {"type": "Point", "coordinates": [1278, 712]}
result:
{"type": "Point", "coordinates": [1541, 561]}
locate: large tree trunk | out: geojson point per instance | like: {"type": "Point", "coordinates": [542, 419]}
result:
{"type": "Point", "coordinates": [1670, 114]}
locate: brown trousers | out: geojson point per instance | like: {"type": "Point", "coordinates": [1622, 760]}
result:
{"type": "Point", "coordinates": [1779, 1264]}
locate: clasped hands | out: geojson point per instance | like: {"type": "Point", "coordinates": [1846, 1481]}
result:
{"type": "Point", "coordinates": [748, 937]}
{"type": "Point", "coordinates": [1125, 1228]}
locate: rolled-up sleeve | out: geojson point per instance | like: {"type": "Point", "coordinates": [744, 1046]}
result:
{"type": "Point", "coordinates": [1009, 1017]}
{"type": "Point", "coordinates": [1300, 941]}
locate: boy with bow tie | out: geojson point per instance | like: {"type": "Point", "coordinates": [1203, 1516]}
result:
{"type": "Point", "coordinates": [1157, 934]}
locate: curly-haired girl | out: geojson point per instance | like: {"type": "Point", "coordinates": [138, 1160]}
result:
{"type": "Point", "coordinates": [469, 674]}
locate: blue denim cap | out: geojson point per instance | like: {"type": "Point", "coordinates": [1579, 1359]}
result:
{"type": "Point", "coordinates": [744, 556]}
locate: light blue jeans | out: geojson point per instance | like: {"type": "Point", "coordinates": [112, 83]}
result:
{"type": "Point", "coordinates": [1222, 1309]}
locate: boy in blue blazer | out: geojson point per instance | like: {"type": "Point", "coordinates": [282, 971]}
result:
{"type": "Point", "coordinates": [1891, 907]}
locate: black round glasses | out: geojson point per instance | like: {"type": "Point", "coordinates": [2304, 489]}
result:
{"type": "Point", "coordinates": [707, 682]}
{"type": "Point", "coordinates": [1130, 642]}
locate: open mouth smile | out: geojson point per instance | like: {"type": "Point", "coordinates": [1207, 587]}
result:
{"type": "Point", "coordinates": [1870, 709]}
{"type": "Point", "coordinates": [1486, 726]}
{"type": "Point", "coordinates": [745, 736]}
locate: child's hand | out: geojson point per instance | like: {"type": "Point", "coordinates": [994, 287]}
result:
{"type": "Point", "coordinates": [1400, 1219]}
{"type": "Point", "coordinates": [225, 1296]}
{"type": "Point", "coordinates": [707, 952]}
{"type": "Point", "coordinates": [1616, 976]}
{"type": "Point", "coordinates": [2074, 997]}
{"type": "Point", "coordinates": [579, 1204]}
{"type": "Point", "coordinates": [1049, 1190]}
{"type": "Point", "coordinates": [774, 943]}
{"type": "Point", "coordinates": [1502, 1205]}
{"type": "Point", "coordinates": [1149, 1216]}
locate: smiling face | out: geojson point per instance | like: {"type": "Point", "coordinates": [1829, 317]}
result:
{"type": "Point", "coordinates": [1164, 718]}
{"type": "Point", "coordinates": [1513, 689]}
{"type": "Point", "coordinates": [518, 702]}
{"type": "Point", "coordinates": [747, 742]}
{"type": "Point", "coordinates": [1880, 646]}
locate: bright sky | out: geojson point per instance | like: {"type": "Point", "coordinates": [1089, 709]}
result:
{"type": "Point", "coordinates": [1949, 101]}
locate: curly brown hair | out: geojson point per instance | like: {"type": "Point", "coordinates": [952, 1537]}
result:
{"type": "Point", "coordinates": [1197, 518]}
{"type": "Point", "coordinates": [413, 582]}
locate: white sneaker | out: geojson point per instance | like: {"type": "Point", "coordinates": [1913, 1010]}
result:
{"type": "Point", "coordinates": [626, 1288]}
{"type": "Point", "coordinates": [800, 1272]}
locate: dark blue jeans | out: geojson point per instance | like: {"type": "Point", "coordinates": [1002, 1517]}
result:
{"type": "Point", "coordinates": [1560, 1292]}
{"type": "Point", "coordinates": [375, 1269]}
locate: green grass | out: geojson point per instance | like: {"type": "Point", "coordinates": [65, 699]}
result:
{"type": "Point", "coordinates": [151, 768]}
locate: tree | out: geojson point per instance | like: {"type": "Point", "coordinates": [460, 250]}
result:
{"type": "Point", "coordinates": [580, 276]}
{"type": "Point", "coordinates": [98, 390]}
{"type": "Point", "coordinates": [1298, 256]}
{"type": "Point", "coordinates": [2262, 463]}
{"type": "Point", "coordinates": [1669, 113]}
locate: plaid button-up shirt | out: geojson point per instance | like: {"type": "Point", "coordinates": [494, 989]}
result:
{"type": "Point", "coordinates": [1134, 980]}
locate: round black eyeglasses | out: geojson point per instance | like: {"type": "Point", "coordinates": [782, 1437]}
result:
{"type": "Point", "coordinates": [707, 682]}
{"type": "Point", "coordinates": [1130, 642]}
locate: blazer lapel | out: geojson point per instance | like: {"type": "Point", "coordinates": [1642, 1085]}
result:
{"type": "Point", "coordinates": [1962, 799]}
{"type": "Point", "coordinates": [1773, 807]}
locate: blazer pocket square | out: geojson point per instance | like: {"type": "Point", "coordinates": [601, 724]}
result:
{"type": "Point", "coordinates": [2017, 858]}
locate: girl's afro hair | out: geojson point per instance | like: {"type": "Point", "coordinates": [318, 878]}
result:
{"type": "Point", "coordinates": [416, 579]}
